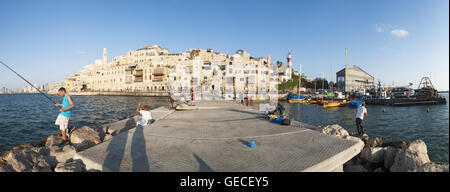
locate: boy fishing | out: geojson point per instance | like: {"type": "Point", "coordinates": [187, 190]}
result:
{"type": "Point", "coordinates": [65, 112]}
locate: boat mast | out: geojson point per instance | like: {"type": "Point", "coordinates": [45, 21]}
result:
{"type": "Point", "coordinates": [331, 82]}
{"type": "Point", "coordinates": [323, 82]}
{"type": "Point", "coordinates": [300, 81]}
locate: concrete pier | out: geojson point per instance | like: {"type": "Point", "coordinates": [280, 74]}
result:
{"type": "Point", "coordinates": [215, 137]}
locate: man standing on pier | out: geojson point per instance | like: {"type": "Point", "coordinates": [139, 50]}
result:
{"type": "Point", "coordinates": [360, 113]}
{"type": "Point", "coordinates": [171, 100]}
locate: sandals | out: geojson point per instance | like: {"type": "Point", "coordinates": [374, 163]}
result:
{"type": "Point", "coordinates": [65, 142]}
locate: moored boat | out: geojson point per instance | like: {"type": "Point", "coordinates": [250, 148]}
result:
{"type": "Point", "coordinates": [297, 101]}
{"type": "Point", "coordinates": [356, 103]}
{"type": "Point", "coordinates": [335, 104]}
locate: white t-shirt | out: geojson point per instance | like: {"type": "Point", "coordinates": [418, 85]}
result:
{"type": "Point", "coordinates": [266, 108]}
{"type": "Point", "coordinates": [360, 112]}
{"type": "Point", "coordinates": [145, 117]}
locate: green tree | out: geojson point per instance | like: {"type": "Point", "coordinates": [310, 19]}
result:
{"type": "Point", "coordinates": [318, 83]}
{"type": "Point", "coordinates": [279, 63]}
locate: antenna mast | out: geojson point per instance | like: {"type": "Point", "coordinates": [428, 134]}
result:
{"type": "Point", "coordinates": [346, 58]}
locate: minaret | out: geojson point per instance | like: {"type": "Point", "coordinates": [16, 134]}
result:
{"type": "Point", "coordinates": [268, 60]}
{"type": "Point", "coordinates": [105, 57]}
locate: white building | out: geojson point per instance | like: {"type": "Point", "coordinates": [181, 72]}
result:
{"type": "Point", "coordinates": [212, 75]}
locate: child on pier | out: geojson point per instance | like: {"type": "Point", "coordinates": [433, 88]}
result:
{"type": "Point", "coordinates": [145, 116]}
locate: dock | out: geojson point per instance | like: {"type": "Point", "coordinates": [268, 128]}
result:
{"type": "Point", "coordinates": [406, 102]}
{"type": "Point", "coordinates": [214, 138]}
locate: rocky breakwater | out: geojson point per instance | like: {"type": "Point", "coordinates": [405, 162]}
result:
{"type": "Point", "coordinates": [51, 155]}
{"type": "Point", "coordinates": [376, 156]}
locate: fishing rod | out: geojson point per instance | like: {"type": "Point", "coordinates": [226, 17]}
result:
{"type": "Point", "coordinates": [28, 82]}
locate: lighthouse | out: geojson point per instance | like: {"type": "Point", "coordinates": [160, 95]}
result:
{"type": "Point", "coordinates": [289, 60]}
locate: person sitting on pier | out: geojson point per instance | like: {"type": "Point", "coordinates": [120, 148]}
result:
{"type": "Point", "coordinates": [145, 116]}
{"type": "Point", "coordinates": [280, 109]}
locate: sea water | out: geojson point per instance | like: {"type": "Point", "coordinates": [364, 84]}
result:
{"type": "Point", "coordinates": [31, 117]}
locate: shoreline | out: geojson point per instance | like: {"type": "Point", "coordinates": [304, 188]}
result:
{"type": "Point", "coordinates": [102, 93]}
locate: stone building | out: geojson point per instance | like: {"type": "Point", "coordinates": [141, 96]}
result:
{"type": "Point", "coordinates": [211, 75]}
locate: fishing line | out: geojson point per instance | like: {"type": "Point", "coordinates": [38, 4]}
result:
{"type": "Point", "coordinates": [27, 82]}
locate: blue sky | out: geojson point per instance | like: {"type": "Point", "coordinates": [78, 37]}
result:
{"type": "Point", "coordinates": [394, 40]}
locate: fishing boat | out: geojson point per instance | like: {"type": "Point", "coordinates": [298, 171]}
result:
{"type": "Point", "coordinates": [296, 99]}
{"type": "Point", "coordinates": [356, 103]}
{"type": "Point", "coordinates": [313, 102]}
{"type": "Point", "coordinates": [334, 104]}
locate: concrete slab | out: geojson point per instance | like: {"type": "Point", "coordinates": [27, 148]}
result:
{"type": "Point", "coordinates": [217, 140]}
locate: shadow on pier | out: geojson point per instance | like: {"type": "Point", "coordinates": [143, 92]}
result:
{"type": "Point", "coordinates": [116, 149]}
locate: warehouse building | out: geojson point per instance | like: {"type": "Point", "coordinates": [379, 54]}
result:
{"type": "Point", "coordinates": [352, 79]}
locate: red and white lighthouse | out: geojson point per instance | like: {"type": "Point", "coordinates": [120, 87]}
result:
{"type": "Point", "coordinates": [289, 60]}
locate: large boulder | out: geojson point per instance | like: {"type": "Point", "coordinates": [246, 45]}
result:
{"type": "Point", "coordinates": [364, 138]}
{"type": "Point", "coordinates": [5, 168]}
{"type": "Point", "coordinates": [2, 161]}
{"type": "Point", "coordinates": [23, 146]}
{"type": "Point", "coordinates": [355, 168]}
{"type": "Point", "coordinates": [335, 130]}
{"type": "Point", "coordinates": [53, 140]}
{"type": "Point", "coordinates": [27, 160]}
{"type": "Point", "coordinates": [433, 167]}
{"type": "Point", "coordinates": [354, 161]}
{"type": "Point", "coordinates": [71, 166]}
{"type": "Point", "coordinates": [396, 144]}
{"type": "Point", "coordinates": [18, 147]}
{"type": "Point", "coordinates": [373, 154]}
{"type": "Point", "coordinates": [45, 151]}
{"type": "Point", "coordinates": [61, 154]}
{"type": "Point", "coordinates": [411, 157]}
{"type": "Point", "coordinates": [84, 137]}
{"type": "Point", "coordinates": [389, 156]}
{"type": "Point", "coordinates": [375, 142]}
